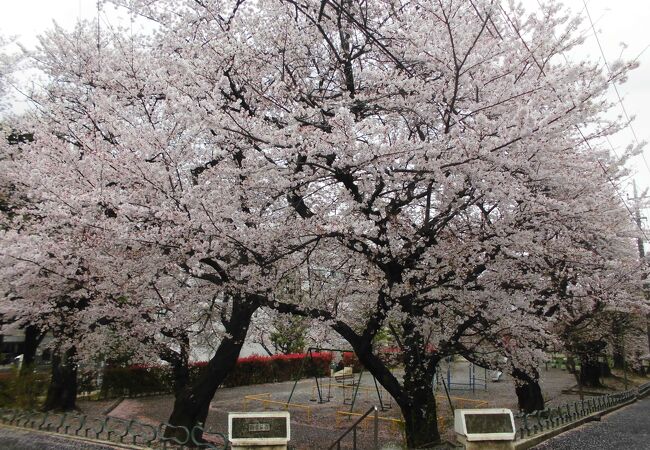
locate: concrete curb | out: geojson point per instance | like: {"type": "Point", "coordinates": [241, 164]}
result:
{"type": "Point", "coordinates": [532, 441]}
{"type": "Point", "coordinates": [76, 438]}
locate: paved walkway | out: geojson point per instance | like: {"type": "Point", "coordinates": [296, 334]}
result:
{"type": "Point", "coordinates": [15, 439]}
{"type": "Point", "coordinates": [627, 428]}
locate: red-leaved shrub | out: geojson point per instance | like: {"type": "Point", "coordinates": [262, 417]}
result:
{"type": "Point", "coordinates": [140, 379]}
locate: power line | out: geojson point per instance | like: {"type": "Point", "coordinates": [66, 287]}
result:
{"type": "Point", "coordinates": [618, 94]}
{"type": "Point", "coordinates": [584, 138]}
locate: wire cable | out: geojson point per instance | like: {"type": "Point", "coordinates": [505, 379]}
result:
{"type": "Point", "coordinates": [618, 94]}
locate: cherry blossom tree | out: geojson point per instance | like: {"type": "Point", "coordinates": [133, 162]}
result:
{"type": "Point", "coordinates": [10, 198]}
{"type": "Point", "coordinates": [119, 150]}
{"type": "Point", "coordinates": [425, 159]}
{"type": "Point", "coordinates": [8, 62]}
{"type": "Point", "coordinates": [47, 291]}
{"type": "Point", "coordinates": [438, 162]}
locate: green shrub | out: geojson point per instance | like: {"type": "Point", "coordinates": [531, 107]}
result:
{"type": "Point", "coordinates": [23, 391]}
{"type": "Point", "coordinates": [135, 380]}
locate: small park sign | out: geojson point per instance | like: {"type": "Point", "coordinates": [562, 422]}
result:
{"type": "Point", "coordinates": [494, 424]}
{"type": "Point", "coordinates": [259, 429]}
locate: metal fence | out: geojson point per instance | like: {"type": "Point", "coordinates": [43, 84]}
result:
{"type": "Point", "coordinates": [132, 432]}
{"type": "Point", "coordinates": [112, 429]}
{"type": "Point", "coordinates": [551, 418]}
{"type": "Point", "coordinates": [644, 389]}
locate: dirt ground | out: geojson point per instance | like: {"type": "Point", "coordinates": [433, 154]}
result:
{"type": "Point", "coordinates": [316, 425]}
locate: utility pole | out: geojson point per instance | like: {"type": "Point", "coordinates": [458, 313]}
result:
{"type": "Point", "coordinates": [637, 218]}
{"type": "Point", "coordinates": [640, 244]}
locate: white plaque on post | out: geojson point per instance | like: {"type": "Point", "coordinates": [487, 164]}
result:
{"type": "Point", "coordinates": [270, 430]}
{"type": "Point", "coordinates": [489, 424]}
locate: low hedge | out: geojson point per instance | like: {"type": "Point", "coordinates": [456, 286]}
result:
{"type": "Point", "coordinates": [391, 356]}
{"type": "Point", "coordinates": [24, 391]}
{"type": "Point", "coordinates": [137, 380]}
{"type": "Point", "coordinates": [272, 369]}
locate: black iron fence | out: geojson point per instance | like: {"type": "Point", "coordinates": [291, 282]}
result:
{"type": "Point", "coordinates": [133, 432]}
{"type": "Point", "coordinates": [644, 389]}
{"type": "Point", "coordinates": [112, 429]}
{"type": "Point", "coordinates": [552, 418]}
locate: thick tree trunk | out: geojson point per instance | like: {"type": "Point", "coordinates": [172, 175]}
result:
{"type": "Point", "coordinates": [420, 409]}
{"type": "Point", "coordinates": [618, 357]}
{"type": "Point", "coordinates": [591, 369]}
{"type": "Point", "coordinates": [192, 403]}
{"type": "Point", "coordinates": [180, 363]}
{"type": "Point", "coordinates": [415, 397]}
{"type": "Point", "coordinates": [529, 393]}
{"type": "Point", "coordinates": [181, 377]}
{"type": "Point", "coordinates": [33, 338]}
{"type": "Point", "coordinates": [590, 372]}
{"type": "Point", "coordinates": [62, 392]}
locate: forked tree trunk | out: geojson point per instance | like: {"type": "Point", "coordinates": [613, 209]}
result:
{"type": "Point", "coordinates": [192, 403]}
{"type": "Point", "coordinates": [62, 392]}
{"type": "Point", "coordinates": [415, 396]}
{"type": "Point", "coordinates": [529, 393]}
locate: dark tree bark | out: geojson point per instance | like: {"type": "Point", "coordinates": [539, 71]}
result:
{"type": "Point", "coordinates": [529, 393]}
{"type": "Point", "coordinates": [618, 357]}
{"type": "Point", "coordinates": [181, 376]}
{"type": "Point", "coordinates": [415, 396]}
{"type": "Point", "coordinates": [62, 392]}
{"type": "Point", "coordinates": [179, 361]}
{"type": "Point", "coordinates": [33, 338]}
{"type": "Point", "coordinates": [192, 403]}
{"type": "Point", "coordinates": [591, 368]}
{"type": "Point", "coordinates": [419, 408]}
{"type": "Point", "coordinates": [590, 372]}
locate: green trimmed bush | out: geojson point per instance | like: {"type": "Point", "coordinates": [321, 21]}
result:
{"type": "Point", "coordinates": [24, 391]}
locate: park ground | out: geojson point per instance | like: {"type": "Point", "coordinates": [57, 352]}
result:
{"type": "Point", "coordinates": [316, 425]}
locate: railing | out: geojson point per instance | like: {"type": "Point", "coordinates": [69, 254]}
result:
{"type": "Point", "coordinates": [112, 429]}
{"type": "Point", "coordinates": [551, 418]}
{"type": "Point", "coordinates": [644, 389]}
{"type": "Point", "coordinates": [353, 429]}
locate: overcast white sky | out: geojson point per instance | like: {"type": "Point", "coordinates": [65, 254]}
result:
{"type": "Point", "coordinates": [616, 21]}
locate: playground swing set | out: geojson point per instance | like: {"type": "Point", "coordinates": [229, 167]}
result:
{"type": "Point", "coordinates": [473, 382]}
{"type": "Point", "coordinates": [344, 379]}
